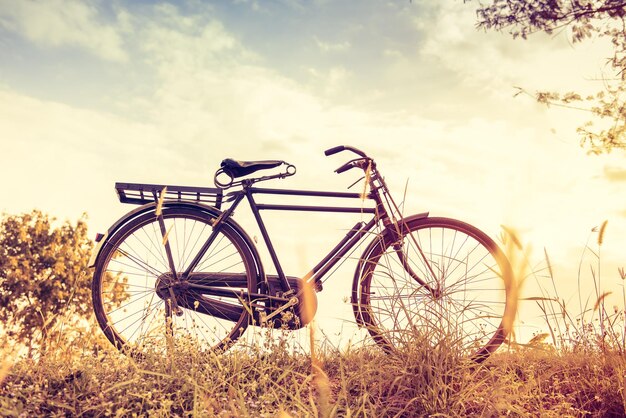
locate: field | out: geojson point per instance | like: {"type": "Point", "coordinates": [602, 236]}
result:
{"type": "Point", "coordinates": [576, 368]}
{"type": "Point", "coordinates": [275, 381]}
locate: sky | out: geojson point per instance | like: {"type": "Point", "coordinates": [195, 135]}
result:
{"type": "Point", "coordinates": [94, 92]}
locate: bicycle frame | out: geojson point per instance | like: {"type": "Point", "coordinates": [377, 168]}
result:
{"type": "Point", "coordinates": [378, 192]}
{"type": "Point", "coordinates": [315, 275]}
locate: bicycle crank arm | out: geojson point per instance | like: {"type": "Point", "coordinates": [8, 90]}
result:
{"type": "Point", "coordinates": [292, 302]}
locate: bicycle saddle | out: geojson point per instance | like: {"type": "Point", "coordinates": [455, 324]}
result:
{"type": "Point", "coordinates": [237, 168]}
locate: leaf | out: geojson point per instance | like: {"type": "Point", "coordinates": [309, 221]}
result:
{"type": "Point", "coordinates": [538, 339]}
{"type": "Point", "coordinates": [540, 298]}
{"type": "Point", "coordinates": [600, 299]}
{"type": "Point", "coordinates": [513, 235]}
{"type": "Point", "coordinates": [160, 202]}
{"type": "Point", "coordinates": [167, 234]}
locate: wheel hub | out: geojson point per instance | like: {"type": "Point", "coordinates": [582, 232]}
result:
{"type": "Point", "coordinates": [437, 292]}
{"type": "Point", "coordinates": [163, 284]}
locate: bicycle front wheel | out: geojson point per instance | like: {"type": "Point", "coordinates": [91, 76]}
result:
{"type": "Point", "coordinates": [440, 280]}
{"type": "Point", "coordinates": [133, 284]}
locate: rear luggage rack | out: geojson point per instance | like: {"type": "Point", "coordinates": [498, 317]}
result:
{"type": "Point", "coordinates": [140, 194]}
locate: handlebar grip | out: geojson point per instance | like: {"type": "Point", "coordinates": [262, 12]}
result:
{"type": "Point", "coordinates": [334, 150]}
{"type": "Point", "coordinates": [347, 166]}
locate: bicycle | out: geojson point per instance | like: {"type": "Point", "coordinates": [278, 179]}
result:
{"type": "Point", "coordinates": [179, 268]}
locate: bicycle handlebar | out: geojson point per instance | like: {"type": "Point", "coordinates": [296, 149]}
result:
{"type": "Point", "coordinates": [347, 166]}
{"type": "Point", "coordinates": [361, 163]}
{"type": "Point", "coordinates": [334, 150]}
{"type": "Point", "coordinates": [340, 148]}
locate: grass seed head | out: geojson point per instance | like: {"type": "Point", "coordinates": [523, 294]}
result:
{"type": "Point", "coordinates": [601, 232]}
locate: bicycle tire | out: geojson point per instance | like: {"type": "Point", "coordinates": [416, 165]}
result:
{"type": "Point", "coordinates": [472, 275]}
{"type": "Point", "coordinates": [133, 264]}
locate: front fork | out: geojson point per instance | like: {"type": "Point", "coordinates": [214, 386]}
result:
{"type": "Point", "coordinates": [436, 292]}
{"type": "Point", "coordinates": [390, 222]}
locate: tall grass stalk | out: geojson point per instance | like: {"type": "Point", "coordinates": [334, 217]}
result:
{"type": "Point", "coordinates": [593, 327]}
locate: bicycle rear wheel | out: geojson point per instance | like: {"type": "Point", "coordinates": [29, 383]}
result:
{"type": "Point", "coordinates": [466, 281]}
{"type": "Point", "coordinates": [132, 280]}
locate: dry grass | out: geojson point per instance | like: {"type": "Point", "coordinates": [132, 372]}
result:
{"type": "Point", "coordinates": [360, 382]}
{"type": "Point", "coordinates": [577, 369]}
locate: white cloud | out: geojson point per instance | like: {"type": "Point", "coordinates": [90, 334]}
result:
{"type": "Point", "coordinates": [177, 40]}
{"type": "Point", "coordinates": [212, 93]}
{"type": "Point", "coordinates": [65, 160]}
{"type": "Point", "coordinates": [63, 22]}
{"type": "Point", "coordinates": [497, 61]}
{"type": "Point", "coordinates": [332, 46]}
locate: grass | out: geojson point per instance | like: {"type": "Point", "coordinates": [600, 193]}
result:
{"type": "Point", "coordinates": [577, 368]}
{"type": "Point", "coordinates": [360, 382]}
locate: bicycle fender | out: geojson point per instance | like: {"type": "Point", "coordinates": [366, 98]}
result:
{"type": "Point", "coordinates": [358, 272]}
{"type": "Point", "coordinates": [95, 253]}
{"type": "Point", "coordinates": [193, 205]}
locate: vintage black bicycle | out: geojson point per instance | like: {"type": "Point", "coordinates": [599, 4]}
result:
{"type": "Point", "coordinates": [180, 269]}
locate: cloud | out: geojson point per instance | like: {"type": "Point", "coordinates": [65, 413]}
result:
{"type": "Point", "coordinates": [212, 92]}
{"type": "Point", "coordinates": [332, 46]}
{"type": "Point", "coordinates": [615, 174]}
{"type": "Point", "coordinates": [497, 61]}
{"type": "Point", "coordinates": [171, 38]}
{"type": "Point", "coordinates": [67, 162]}
{"type": "Point", "coordinates": [63, 22]}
